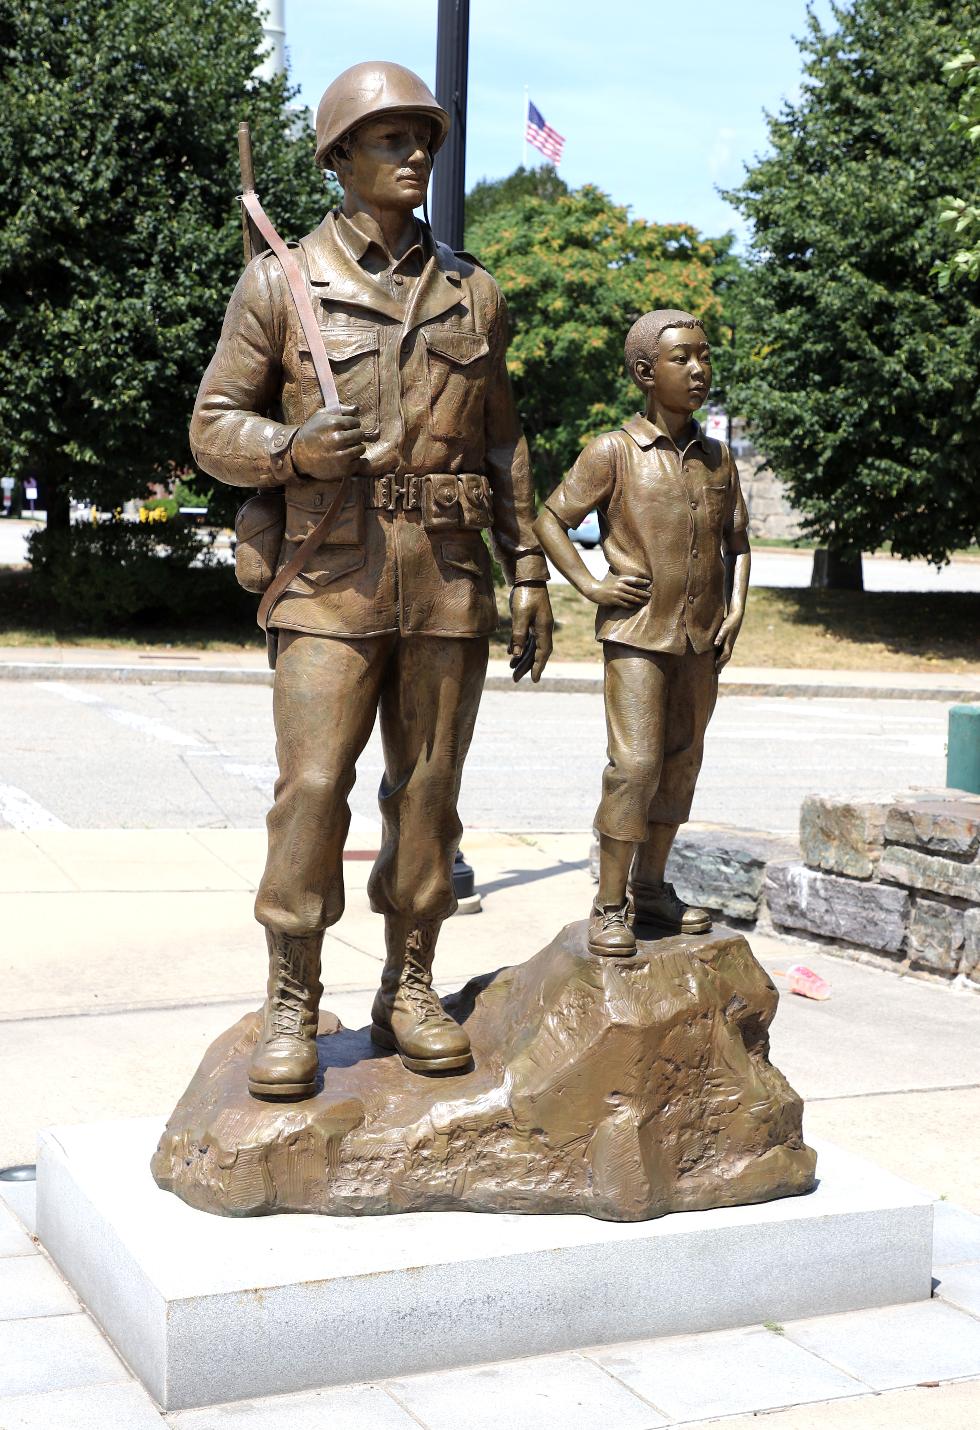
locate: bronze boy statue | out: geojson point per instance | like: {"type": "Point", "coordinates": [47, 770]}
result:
{"type": "Point", "coordinates": [391, 616]}
{"type": "Point", "coordinates": [669, 506]}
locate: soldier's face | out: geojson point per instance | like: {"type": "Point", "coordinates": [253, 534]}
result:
{"type": "Point", "coordinates": [390, 162]}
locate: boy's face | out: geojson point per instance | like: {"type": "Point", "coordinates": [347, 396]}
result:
{"type": "Point", "coordinates": [681, 377]}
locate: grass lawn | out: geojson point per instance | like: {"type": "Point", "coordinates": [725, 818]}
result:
{"type": "Point", "coordinates": [799, 629]}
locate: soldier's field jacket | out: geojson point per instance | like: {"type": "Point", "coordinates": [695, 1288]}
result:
{"type": "Point", "coordinates": [422, 358]}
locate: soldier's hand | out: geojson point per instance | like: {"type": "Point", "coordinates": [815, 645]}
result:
{"type": "Point", "coordinates": [530, 609]}
{"type": "Point", "coordinates": [329, 445]}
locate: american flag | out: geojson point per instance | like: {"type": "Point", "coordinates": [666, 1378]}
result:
{"type": "Point", "coordinates": [542, 136]}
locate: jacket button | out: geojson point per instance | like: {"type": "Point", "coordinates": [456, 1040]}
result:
{"type": "Point", "coordinates": [398, 279]}
{"type": "Point", "coordinates": [694, 552]}
{"type": "Point", "coordinates": [278, 440]}
{"type": "Point", "coordinates": [694, 506]}
{"type": "Point", "coordinates": [690, 600]}
{"type": "Point", "coordinates": [318, 499]}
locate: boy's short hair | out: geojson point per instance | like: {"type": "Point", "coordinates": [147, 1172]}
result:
{"type": "Point", "coordinates": [643, 338]}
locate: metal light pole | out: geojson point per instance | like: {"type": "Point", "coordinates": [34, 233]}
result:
{"type": "Point", "coordinates": [449, 176]}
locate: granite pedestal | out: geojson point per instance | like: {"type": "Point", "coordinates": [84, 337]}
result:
{"type": "Point", "coordinates": [207, 1309]}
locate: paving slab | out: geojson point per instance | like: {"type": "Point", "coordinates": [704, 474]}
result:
{"type": "Point", "coordinates": [895, 1345]}
{"type": "Point", "coordinates": [30, 1287]}
{"type": "Point", "coordinates": [54, 1353]}
{"type": "Point", "coordinates": [953, 1406]}
{"type": "Point", "coordinates": [21, 1198]}
{"type": "Point", "coordinates": [960, 1286]}
{"type": "Point", "coordinates": [97, 1407]}
{"type": "Point", "coordinates": [14, 1240]}
{"type": "Point", "coordinates": [351, 1407]}
{"type": "Point", "coordinates": [956, 1235]}
{"type": "Point", "coordinates": [26, 868]}
{"type": "Point", "coordinates": [726, 1373]}
{"type": "Point", "coordinates": [115, 859]}
{"type": "Point", "coordinates": [565, 1392]}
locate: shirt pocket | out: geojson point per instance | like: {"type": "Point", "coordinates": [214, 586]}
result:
{"type": "Point", "coordinates": [354, 355]}
{"type": "Point", "coordinates": [456, 367]}
{"type": "Point", "coordinates": [305, 507]}
{"type": "Point", "coordinates": [716, 502]}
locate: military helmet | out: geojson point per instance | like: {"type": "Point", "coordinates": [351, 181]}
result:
{"type": "Point", "coordinates": [367, 90]}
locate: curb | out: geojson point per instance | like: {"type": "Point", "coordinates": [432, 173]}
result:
{"type": "Point", "coordinates": [550, 684]}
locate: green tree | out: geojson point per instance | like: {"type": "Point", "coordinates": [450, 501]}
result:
{"type": "Point", "coordinates": [541, 182]}
{"type": "Point", "coordinates": [857, 375]}
{"type": "Point", "coordinates": [577, 271]}
{"type": "Point", "coordinates": [120, 238]}
{"type": "Point", "coordinates": [960, 214]}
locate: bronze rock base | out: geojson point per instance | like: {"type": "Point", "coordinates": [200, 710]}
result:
{"type": "Point", "coordinates": [621, 1088]}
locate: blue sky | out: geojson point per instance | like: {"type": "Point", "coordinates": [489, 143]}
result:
{"type": "Point", "coordinates": [660, 104]}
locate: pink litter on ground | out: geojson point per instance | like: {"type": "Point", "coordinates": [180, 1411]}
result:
{"type": "Point", "coordinates": [805, 982]}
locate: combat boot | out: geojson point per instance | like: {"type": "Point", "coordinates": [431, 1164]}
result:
{"type": "Point", "coordinates": [659, 904]}
{"type": "Point", "coordinates": [610, 935]}
{"type": "Point", "coordinates": [284, 1063]}
{"type": "Point", "coordinates": [406, 1015]}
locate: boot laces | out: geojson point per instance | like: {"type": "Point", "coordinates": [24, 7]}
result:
{"type": "Point", "coordinates": [614, 916]}
{"type": "Point", "coordinates": [288, 1005]}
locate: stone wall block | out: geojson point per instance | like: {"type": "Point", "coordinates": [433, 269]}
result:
{"type": "Point", "coordinates": [931, 873]}
{"type": "Point", "coordinates": [723, 870]}
{"type": "Point", "coordinates": [947, 824]}
{"type": "Point", "coordinates": [854, 911]}
{"type": "Point", "coordinates": [971, 945]}
{"type": "Point", "coordinates": [842, 836]}
{"type": "Point", "coordinates": [936, 935]}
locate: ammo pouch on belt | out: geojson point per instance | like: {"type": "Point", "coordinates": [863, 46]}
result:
{"type": "Point", "coordinates": [456, 502]}
{"type": "Point", "coordinates": [259, 529]}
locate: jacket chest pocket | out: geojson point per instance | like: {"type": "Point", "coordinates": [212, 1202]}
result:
{"type": "Point", "coordinates": [456, 369]}
{"type": "Point", "coordinates": [355, 361]}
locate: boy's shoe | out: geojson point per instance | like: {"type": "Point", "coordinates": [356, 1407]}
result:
{"type": "Point", "coordinates": [659, 905]}
{"type": "Point", "coordinates": [610, 935]}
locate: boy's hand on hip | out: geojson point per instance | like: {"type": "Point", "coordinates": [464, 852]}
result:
{"type": "Point", "coordinates": [726, 638]}
{"type": "Point", "coordinates": [630, 591]}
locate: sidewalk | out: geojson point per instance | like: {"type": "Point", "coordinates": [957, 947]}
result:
{"type": "Point", "coordinates": [250, 667]}
{"type": "Point", "coordinates": [127, 952]}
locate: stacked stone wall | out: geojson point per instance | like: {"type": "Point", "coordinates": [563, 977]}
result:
{"type": "Point", "coordinates": [896, 879]}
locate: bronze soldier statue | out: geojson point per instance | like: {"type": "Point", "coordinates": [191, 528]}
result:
{"type": "Point", "coordinates": [670, 507]}
{"type": "Point", "coordinates": [392, 613]}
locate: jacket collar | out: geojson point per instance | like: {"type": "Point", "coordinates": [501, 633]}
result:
{"type": "Point", "coordinates": [646, 433]}
{"type": "Point", "coordinates": [336, 275]}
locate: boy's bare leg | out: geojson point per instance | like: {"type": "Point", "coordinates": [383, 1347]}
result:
{"type": "Point", "coordinates": [609, 930]}
{"type": "Point", "coordinates": [651, 857]}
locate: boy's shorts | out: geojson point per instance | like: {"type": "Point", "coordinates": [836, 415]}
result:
{"type": "Point", "coordinates": [657, 710]}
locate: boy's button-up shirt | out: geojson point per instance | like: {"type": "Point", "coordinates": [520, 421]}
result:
{"type": "Point", "coordinates": [665, 514]}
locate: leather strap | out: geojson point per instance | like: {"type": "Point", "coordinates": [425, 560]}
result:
{"type": "Point", "coordinates": [301, 297]}
{"type": "Point", "coordinates": [328, 389]}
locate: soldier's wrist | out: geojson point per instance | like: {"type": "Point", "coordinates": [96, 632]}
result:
{"type": "Point", "coordinates": [281, 456]}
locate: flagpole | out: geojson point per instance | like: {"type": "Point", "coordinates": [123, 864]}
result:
{"type": "Point", "coordinates": [524, 129]}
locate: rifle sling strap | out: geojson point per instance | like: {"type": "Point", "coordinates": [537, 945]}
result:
{"type": "Point", "coordinates": [328, 388]}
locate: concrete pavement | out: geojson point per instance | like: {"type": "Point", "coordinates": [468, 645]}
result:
{"type": "Point", "coordinates": [140, 948]}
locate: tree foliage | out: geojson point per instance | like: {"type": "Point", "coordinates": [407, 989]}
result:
{"type": "Point", "coordinates": [962, 215]}
{"type": "Point", "coordinates": [542, 182]}
{"type": "Point", "coordinates": [120, 237]}
{"type": "Point", "coordinates": [577, 271]}
{"type": "Point", "coordinates": [857, 374]}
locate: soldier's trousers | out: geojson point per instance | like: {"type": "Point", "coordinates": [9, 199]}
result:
{"type": "Point", "coordinates": [657, 710]}
{"type": "Point", "coordinates": [327, 693]}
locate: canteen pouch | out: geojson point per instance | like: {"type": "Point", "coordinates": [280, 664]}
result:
{"type": "Point", "coordinates": [259, 529]}
{"type": "Point", "coordinates": [455, 503]}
